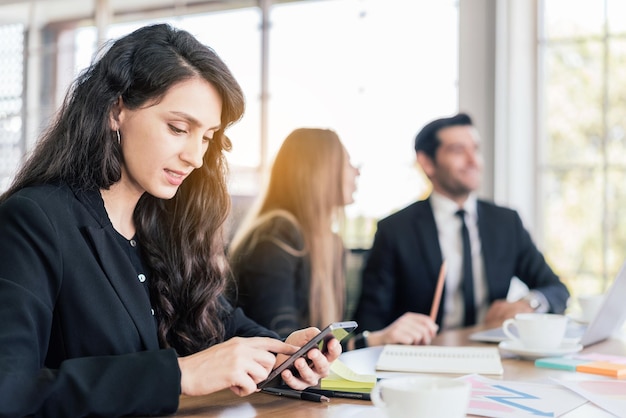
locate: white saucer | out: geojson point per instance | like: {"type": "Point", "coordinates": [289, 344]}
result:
{"type": "Point", "coordinates": [516, 347]}
{"type": "Point", "coordinates": [576, 317]}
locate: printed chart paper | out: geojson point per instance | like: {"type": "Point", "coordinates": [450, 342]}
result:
{"type": "Point", "coordinates": [505, 399]}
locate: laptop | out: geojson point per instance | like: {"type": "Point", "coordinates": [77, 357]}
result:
{"type": "Point", "coordinates": [609, 318]}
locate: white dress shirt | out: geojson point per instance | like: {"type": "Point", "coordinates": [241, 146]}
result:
{"type": "Point", "coordinates": [451, 244]}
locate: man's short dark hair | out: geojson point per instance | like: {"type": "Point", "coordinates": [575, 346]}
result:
{"type": "Point", "coordinates": [427, 140]}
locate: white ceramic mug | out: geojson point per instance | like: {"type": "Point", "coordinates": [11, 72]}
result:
{"type": "Point", "coordinates": [537, 331]}
{"type": "Point", "coordinates": [422, 396]}
{"type": "Point", "coordinates": [589, 305]}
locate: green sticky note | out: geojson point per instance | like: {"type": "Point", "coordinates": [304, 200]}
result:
{"type": "Point", "coordinates": [560, 363]}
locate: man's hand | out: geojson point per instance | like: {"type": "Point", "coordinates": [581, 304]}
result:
{"type": "Point", "coordinates": [500, 310]}
{"type": "Point", "coordinates": [410, 329]}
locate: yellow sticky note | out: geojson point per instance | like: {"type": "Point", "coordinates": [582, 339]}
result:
{"type": "Point", "coordinates": [342, 376]}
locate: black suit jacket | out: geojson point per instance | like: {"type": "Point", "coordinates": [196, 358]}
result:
{"type": "Point", "coordinates": [77, 336]}
{"type": "Point", "coordinates": [272, 285]}
{"type": "Point", "coordinates": [400, 274]}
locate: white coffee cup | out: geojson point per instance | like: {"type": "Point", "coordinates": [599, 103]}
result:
{"type": "Point", "coordinates": [590, 305]}
{"type": "Point", "coordinates": [422, 396]}
{"type": "Point", "coordinates": [537, 331]}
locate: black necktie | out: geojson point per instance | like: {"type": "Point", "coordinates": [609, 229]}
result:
{"type": "Point", "coordinates": [468, 275]}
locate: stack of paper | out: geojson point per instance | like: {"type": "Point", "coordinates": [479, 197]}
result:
{"type": "Point", "coordinates": [343, 378]}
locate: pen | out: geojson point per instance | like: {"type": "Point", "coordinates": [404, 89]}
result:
{"type": "Point", "coordinates": [437, 297]}
{"type": "Point", "coordinates": [296, 394]}
{"type": "Point", "coordinates": [340, 394]}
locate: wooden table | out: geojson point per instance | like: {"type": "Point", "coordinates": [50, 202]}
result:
{"type": "Point", "coordinates": [227, 404]}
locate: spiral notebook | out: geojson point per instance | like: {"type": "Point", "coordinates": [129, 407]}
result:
{"type": "Point", "coordinates": [440, 359]}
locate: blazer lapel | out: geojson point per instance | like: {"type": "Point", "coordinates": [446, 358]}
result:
{"type": "Point", "coordinates": [119, 271]}
{"type": "Point", "coordinates": [429, 242]}
{"type": "Point", "coordinates": [429, 238]}
{"type": "Point", "coordinates": [487, 242]}
{"type": "Point", "coordinates": [117, 267]}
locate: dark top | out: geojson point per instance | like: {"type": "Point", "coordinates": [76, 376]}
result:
{"type": "Point", "coordinates": [77, 334]}
{"type": "Point", "coordinates": [273, 284]}
{"type": "Point", "coordinates": [400, 273]}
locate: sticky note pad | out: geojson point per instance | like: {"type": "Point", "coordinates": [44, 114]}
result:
{"type": "Point", "coordinates": [604, 368]}
{"type": "Point", "coordinates": [343, 377]}
{"type": "Point", "coordinates": [560, 363]}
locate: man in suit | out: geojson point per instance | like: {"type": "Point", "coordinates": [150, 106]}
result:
{"type": "Point", "coordinates": [400, 274]}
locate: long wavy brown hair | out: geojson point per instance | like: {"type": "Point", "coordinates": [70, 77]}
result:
{"type": "Point", "coordinates": [306, 188]}
{"type": "Point", "coordinates": [182, 237]}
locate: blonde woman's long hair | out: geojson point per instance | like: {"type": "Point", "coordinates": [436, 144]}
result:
{"type": "Point", "coordinates": [306, 188]}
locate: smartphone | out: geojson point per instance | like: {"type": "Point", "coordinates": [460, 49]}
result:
{"type": "Point", "coordinates": [338, 330]}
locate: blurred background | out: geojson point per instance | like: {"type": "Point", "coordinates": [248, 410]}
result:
{"type": "Point", "coordinates": [544, 81]}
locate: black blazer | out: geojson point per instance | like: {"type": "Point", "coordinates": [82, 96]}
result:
{"type": "Point", "coordinates": [272, 285]}
{"type": "Point", "coordinates": [77, 335]}
{"type": "Point", "coordinates": [400, 274]}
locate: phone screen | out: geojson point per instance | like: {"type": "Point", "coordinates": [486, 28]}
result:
{"type": "Point", "coordinates": [338, 330]}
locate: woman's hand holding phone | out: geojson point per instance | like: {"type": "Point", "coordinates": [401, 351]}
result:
{"type": "Point", "coordinates": [313, 365]}
{"type": "Point", "coordinates": [241, 364]}
{"type": "Point", "coordinates": [312, 361]}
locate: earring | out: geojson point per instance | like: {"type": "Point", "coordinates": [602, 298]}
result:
{"type": "Point", "coordinates": [118, 137]}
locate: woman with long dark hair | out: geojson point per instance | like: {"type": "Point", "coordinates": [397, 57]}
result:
{"type": "Point", "coordinates": [112, 265]}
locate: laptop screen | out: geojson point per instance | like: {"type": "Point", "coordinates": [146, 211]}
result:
{"type": "Point", "coordinates": [611, 314]}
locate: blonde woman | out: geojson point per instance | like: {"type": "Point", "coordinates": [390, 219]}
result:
{"type": "Point", "coordinates": [287, 262]}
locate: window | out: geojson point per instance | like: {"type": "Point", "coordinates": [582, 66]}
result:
{"type": "Point", "coordinates": [11, 100]}
{"type": "Point", "coordinates": [375, 71]}
{"type": "Point", "coordinates": [582, 166]}
{"type": "Point", "coordinates": [368, 69]}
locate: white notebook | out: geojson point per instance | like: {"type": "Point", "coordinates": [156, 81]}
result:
{"type": "Point", "coordinates": [440, 359]}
